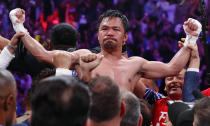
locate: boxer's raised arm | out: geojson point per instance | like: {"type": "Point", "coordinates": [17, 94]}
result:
{"type": "Point", "coordinates": [17, 17]}
{"type": "Point", "coordinates": [153, 69]}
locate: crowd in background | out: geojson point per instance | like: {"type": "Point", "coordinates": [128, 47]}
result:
{"type": "Point", "coordinates": [154, 30]}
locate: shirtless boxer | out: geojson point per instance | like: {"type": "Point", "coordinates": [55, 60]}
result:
{"type": "Point", "coordinates": [112, 34]}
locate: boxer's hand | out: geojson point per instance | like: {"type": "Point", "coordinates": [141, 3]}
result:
{"type": "Point", "coordinates": [181, 42]}
{"type": "Point", "coordinates": [15, 38]}
{"type": "Point", "coordinates": [192, 29]}
{"type": "Point", "coordinates": [90, 61]}
{"type": "Point", "coordinates": [194, 49]}
{"type": "Point", "coordinates": [88, 57]}
{"type": "Point", "coordinates": [87, 64]}
{"type": "Point", "coordinates": [17, 17]}
{"type": "Point", "coordinates": [62, 60]}
{"type": "Point", "coordinates": [194, 61]}
{"type": "Point", "coordinates": [14, 41]}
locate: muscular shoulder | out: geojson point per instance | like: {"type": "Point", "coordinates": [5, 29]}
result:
{"type": "Point", "coordinates": [137, 60]}
{"type": "Point", "coordinates": [55, 52]}
{"type": "Point", "coordinates": [82, 51]}
{"type": "Point", "coordinates": [137, 64]}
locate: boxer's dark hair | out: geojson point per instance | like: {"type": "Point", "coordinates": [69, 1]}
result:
{"type": "Point", "coordinates": [111, 14]}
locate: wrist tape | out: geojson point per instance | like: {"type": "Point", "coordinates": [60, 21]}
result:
{"type": "Point", "coordinates": [190, 39]}
{"type": "Point", "coordinates": [18, 27]}
{"type": "Point", "coordinates": [63, 71]}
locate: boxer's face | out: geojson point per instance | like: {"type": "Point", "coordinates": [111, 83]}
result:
{"type": "Point", "coordinates": [174, 84]}
{"type": "Point", "coordinates": [111, 34]}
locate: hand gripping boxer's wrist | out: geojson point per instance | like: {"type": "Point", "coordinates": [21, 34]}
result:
{"type": "Point", "coordinates": [192, 29]}
{"type": "Point", "coordinates": [17, 17]}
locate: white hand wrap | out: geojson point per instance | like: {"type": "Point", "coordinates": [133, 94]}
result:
{"type": "Point", "coordinates": [63, 71]}
{"type": "Point", "coordinates": [190, 39]}
{"type": "Point", "coordinates": [5, 58]}
{"type": "Point", "coordinates": [18, 27]}
{"type": "Point", "coordinates": [193, 69]}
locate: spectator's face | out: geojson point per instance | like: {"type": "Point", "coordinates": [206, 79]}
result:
{"type": "Point", "coordinates": [174, 84]}
{"type": "Point", "coordinates": [111, 34]}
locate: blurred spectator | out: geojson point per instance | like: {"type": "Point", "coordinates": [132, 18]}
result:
{"type": "Point", "coordinates": [23, 85]}
{"type": "Point", "coordinates": [180, 114]}
{"type": "Point", "coordinates": [167, 7]}
{"type": "Point", "coordinates": [107, 109]}
{"type": "Point", "coordinates": [60, 100]}
{"type": "Point", "coordinates": [71, 14]}
{"type": "Point", "coordinates": [133, 115]}
{"type": "Point", "coordinates": [149, 7]}
{"type": "Point", "coordinates": [8, 97]}
{"type": "Point", "coordinates": [202, 112]}
{"type": "Point", "coordinates": [146, 111]}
